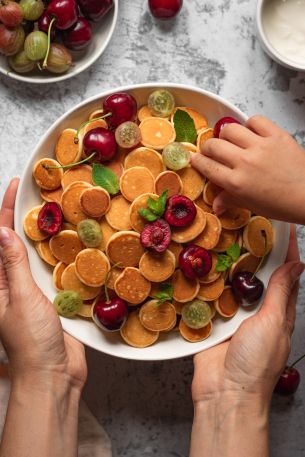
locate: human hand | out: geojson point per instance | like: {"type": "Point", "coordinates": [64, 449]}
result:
{"type": "Point", "coordinates": [30, 329]}
{"type": "Point", "coordinates": [259, 166]}
{"type": "Point", "coordinates": [251, 362]}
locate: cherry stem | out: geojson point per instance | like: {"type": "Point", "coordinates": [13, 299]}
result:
{"type": "Point", "coordinates": [76, 140]}
{"type": "Point", "coordinates": [45, 62]}
{"type": "Point", "coordinates": [263, 258]}
{"type": "Point", "coordinates": [48, 167]}
{"type": "Point", "coordinates": [297, 361]}
{"type": "Point", "coordinates": [107, 280]}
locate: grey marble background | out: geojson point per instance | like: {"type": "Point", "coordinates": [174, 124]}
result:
{"type": "Point", "coordinates": [146, 407]}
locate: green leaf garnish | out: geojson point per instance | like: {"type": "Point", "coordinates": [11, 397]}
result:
{"type": "Point", "coordinates": [165, 294]}
{"type": "Point", "coordinates": [106, 178]}
{"type": "Point", "coordinates": [185, 127]}
{"type": "Point", "coordinates": [156, 207]}
{"type": "Point", "coordinates": [147, 214]}
{"type": "Point", "coordinates": [224, 261]}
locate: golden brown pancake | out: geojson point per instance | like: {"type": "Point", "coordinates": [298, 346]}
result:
{"type": "Point", "coordinates": [184, 289]}
{"type": "Point", "coordinates": [124, 248]}
{"type": "Point", "coordinates": [134, 334]}
{"type": "Point", "coordinates": [157, 317]}
{"type": "Point", "coordinates": [157, 267]}
{"type": "Point", "coordinates": [132, 286]}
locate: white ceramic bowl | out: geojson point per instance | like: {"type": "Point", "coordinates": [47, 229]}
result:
{"type": "Point", "coordinates": [170, 345]}
{"type": "Point", "coordinates": [267, 46]}
{"type": "Point", "coordinates": [102, 33]}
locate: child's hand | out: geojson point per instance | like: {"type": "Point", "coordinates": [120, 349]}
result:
{"type": "Point", "coordinates": [260, 167]}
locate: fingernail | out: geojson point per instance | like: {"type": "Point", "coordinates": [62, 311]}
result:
{"type": "Point", "coordinates": [6, 237]}
{"type": "Point", "coordinates": [297, 270]}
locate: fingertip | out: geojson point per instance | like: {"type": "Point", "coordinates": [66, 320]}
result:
{"type": "Point", "coordinates": [6, 237]}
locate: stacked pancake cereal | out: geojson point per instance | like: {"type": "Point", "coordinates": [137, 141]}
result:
{"type": "Point", "coordinates": [135, 223]}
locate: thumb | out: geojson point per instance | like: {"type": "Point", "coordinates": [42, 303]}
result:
{"type": "Point", "coordinates": [14, 259]}
{"type": "Point", "coordinates": [223, 201]}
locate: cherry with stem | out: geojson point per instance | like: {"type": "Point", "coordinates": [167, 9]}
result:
{"type": "Point", "coordinates": [289, 380]}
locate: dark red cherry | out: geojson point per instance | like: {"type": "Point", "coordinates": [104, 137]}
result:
{"type": "Point", "coordinates": [102, 142]}
{"type": "Point", "coordinates": [110, 315]}
{"type": "Point", "coordinates": [95, 10]}
{"type": "Point", "coordinates": [288, 382]}
{"type": "Point", "coordinates": [44, 23]}
{"type": "Point", "coordinates": [180, 211]}
{"type": "Point", "coordinates": [195, 261]}
{"type": "Point", "coordinates": [65, 12]}
{"type": "Point", "coordinates": [247, 288]}
{"type": "Point", "coordinates": [79, 36]}
{"type": "Point", "coordinates": [156, 236]}
{"type": "Point", "coordinates": [222, 122]}
{"type": "Point", "coordinates": [50, 218]}
{"type": "Point", "coordinates": [165, 9]}
{"type": "Point", "coordinates": [122, 106]}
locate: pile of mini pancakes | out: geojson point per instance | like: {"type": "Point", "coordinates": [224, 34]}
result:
{"type": "Point", "coordinates": [142, 173]}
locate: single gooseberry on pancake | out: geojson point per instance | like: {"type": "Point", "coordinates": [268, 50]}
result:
{"type": "Point", "coordinates": [165, 9]}
{"type": "Point", "coordinates": [196, 314]}
{"type": "Point", "coordinates": [121, 107]}
{"type": "Point", "coordinates": [128, 135]}
{"type": "Point", "coordinates": [50, 218]}
{"type": "Point", "coordinates": [100, 142]}
{"type": "Point", "coordinates": [156, 236]}
{"type": "Point", "coordinates": [195, 261]}
{"type": "Point", "coordinates": [247, 288]}
{"type": "Point", "coordinates": [180, 211]}
{"type": "Point", "coordinates": [222, 122]}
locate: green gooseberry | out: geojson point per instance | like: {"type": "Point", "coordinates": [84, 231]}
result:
{"type": "Point", "coordinates": [196, 314]}
{"type": "Point", "coordinates": [36, 45]}
{"type": "Point", "coordinates": [161, 103]}
{"type": "Point", "coordinates": [67, 303]}
{"type": "Point", "coordinates": [175, 156]}
{"type": "Point", "coordinates": [20, 63]}
{"type": "Point", "coordinates": [90, 233]}
{"type": "Point", "coordinates": [32, 9]}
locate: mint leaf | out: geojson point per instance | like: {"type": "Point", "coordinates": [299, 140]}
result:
{"type": "Point", "coordinates": [184, 126]}
{"type": "Point", "coordinates": [165, 294]}
{"type": "Point", "coordinates": [223, 262]}
{"type": "Point", "coordinates": [106, 178]}
{"type": "Point", "coordinates": [147, 214]}
{"type": "Point", "coordinates": [234, 251]}
{"type": "Point", "coordinates": [158, 206]}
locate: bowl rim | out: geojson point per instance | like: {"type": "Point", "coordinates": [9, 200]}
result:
{"type": "Point", "coordinates": [267, 46]}
{"type": "Point", "coordinates": [82, 67]}
{"type": "Point", "coordinates": [141, 357]}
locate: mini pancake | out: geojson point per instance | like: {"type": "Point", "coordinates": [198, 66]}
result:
{"type": "Point", "coordinates": [203, 205]}
{"type": "Point", "coordinates": [193, 182]}
{"type": "Point", "coordinates": [86, 310]}
{"type": "Point", "coordinates": [96, 113]}
{"type": "Point", "coordinates": [113, 276]}
{"type": "Point", "coordinates": [79, 173]}
{"type": "Point", "coordinates": [68, 226]}
{"type": "Point", "coordinates": [195, 335]}
{"type": "Point", "coordinates": [134, 334]}
{"type": "Point", "coordinates": [204, 135]}
{"type": "Point", "coordinates": [226, 239]}
{"type": "Point", "coordinates": [209, 237]}
{"type": "Point", "coordinates": [178, 306]}
{"type": "Point", "coordinates": [211, 291]}
{"type": "Point", "coordinates": [66, 150]}
{"type": "Point", "coordinates": [70, 204]}
{"type": "Point", "coordinates": [246, 262]}
{"type": "Point", "coordinates": [157, 132]}
{"type": "Point", "coordinates": [199, 119]}
{"type": "Point", "coordinates": [137, 222]}
{"type": "Point", "coordinates": [168, 180]}
{"type": "Point", "coordinates": [118, 213]}
{"type": "Point", "coordinates": [30, 225]}
{"type": "Point", "coordinates": [226, 305]}
{"type": "Point", "coordinates": [144, 112]}
{"type": "Point", "coordinates": [189, 146]}
{"type": "Point", "coordinates": [258, 236]}
{"type": "Point", "coordinates": [210, 192]}
{"type": "Point", "coordinates": [175, 248]}
{"type": "Point", "coordinates": [157, 268]}
{"type": "Point", "coordinates": [125, 249]}
{"type": "Point", "coordinates": [57, 274]}
{"type": "Point", "coordinates": [98, 123]}
{"type": "Point", "coordinates": [235, 218]}
{"type": "Point", "coordinates": [189, 233]}
{"type": "Point", "coordinates": [132, 286]}
{"type": "Point", "coordinates": [107, 232]}
{"type": "Point", "coordinates": [70, 281]}
{"type": "Point", "coordinates": [52, 195]}
{"type": "Point", "coordinates": [184, 289]}
{"type": "Point", "coordinates": [157, 317]}
{"type": "Point", "coordinates": [92, 267]}
{"type": "Point", "coordinates": [65, 246]}
{"type": "Point", "coordinates": [44, 251]}
{"type": "Point", "coordinates": [95, 201]}
{"type": "Point", "coordinates": [116, 166]}
{"type": "Point", "coordinates": [147, 158]}
{"type": "Point", "coordinates": [49, 179]}
{"type": "Point", "coordinates": [213, 274]}
{"type": "Point", "coordinates": [135, 182]}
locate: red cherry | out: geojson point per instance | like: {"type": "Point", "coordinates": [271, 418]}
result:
{"type": "Point", "coordinates": [180, 211]}
{"type": "Point", "coordinates": [50, 218]}
{"type": "Point", "coordinates": [221, 123]}
{"type": "Point", "coordinates": [156, 236]}
{"type": "Point", "coordinates": [247, 288]}
{"type": "Point", "coordinates": [44, 23]}
{"type": "Point", "coordinates": [65, 12]}
{"type": "Point", "coordinates": [122, 106]}
{"type": "Point", "coordinates": [288, 382]}
{"type": "Point", "coordinates": [165, 9]}
{"type": "Point", "coordinates": [95, 10]}
{"type": "Point", "coordinates": [102, 142]}
{"type": "Point", "coordinates": [195, 261]}
{"type": "Point", "coordinates": [110, 315]}
{"type": "Point", "coordinates": [79, 36]}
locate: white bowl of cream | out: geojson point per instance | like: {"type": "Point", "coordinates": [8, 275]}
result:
{"type": "Point", "coordinates": [281, 29]}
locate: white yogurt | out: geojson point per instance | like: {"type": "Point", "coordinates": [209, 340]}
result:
{"type": "Point", "coordinates": [284, 27]}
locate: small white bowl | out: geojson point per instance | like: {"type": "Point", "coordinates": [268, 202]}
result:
{"type": "Point", "coordinates": [170, 345]}
{"type": "Point", "coordinates": [102, 33]}
{"type": "Point", "coordinates": [267, 46]}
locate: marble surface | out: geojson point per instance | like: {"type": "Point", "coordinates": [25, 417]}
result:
{"type": "Point", "coordinates": [146, 407]}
